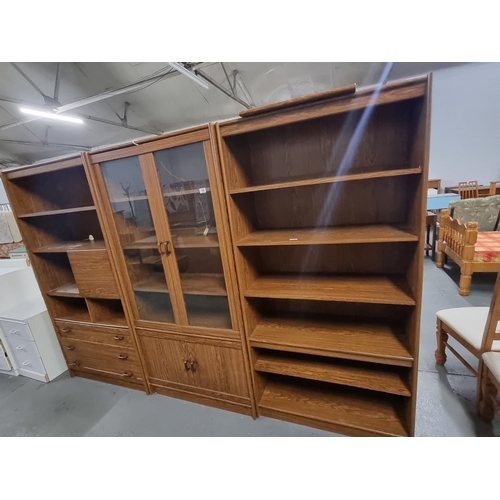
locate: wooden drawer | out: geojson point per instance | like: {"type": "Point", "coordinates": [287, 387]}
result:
{"type": "Point", "coordinates": [119, 337]}
{"type": "Point", "coordinates": [195, 364]}
{"type": "Point", "coordinates": [107, 360]}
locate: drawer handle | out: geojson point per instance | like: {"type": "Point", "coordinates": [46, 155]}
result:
{"type": "Point", "coordinates": [66, 330]}
{"type": "Point", "coordinates": [26, 363]}
{"type": "Point", "coordinates": [127, 374]}
{"type": "Point", "coordinates": [186, 364]}
{"type": "Point", "coordinates": [119, 337]}
{"type": "Point", "coordinates": [20, 348]}
{"type": "Point", "coordinates": [193, 365]}
{"type": "Point", "coordinates": [14, 332]}
{"type": "Point", "coordinates": [122, 356]}
{"type": "Point", "coordinates": [70, 348]}
{"type": "Point", "coordinates": [75, 363]}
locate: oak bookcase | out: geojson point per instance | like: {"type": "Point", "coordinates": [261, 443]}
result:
{"type": "Point", "coordinates": [327, 204]}
{"type": "Point", "coordinates": [269, 265]}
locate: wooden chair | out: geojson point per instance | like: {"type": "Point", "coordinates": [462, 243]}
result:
{"type": "Point", "coordinates": [475, 328]}
{"type": "Point", "coordinates": [434, 184]}
{"type": "Point", "coordinates": [493, 187]}
{"type": "Point", "coordinates": [472, 250]}
{"type": "Point", "coordinates": [468, 190]}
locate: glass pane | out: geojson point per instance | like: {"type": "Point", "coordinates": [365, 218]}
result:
{"type": "Point", "coordinates": [134, 223]}
{"type": "Point", "coordinates": [188, 200]}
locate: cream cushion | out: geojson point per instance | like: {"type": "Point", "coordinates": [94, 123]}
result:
{"type": "Point", "coordinates": [469, 323]}
{"type": "Point", "coordinates": [492, 361]}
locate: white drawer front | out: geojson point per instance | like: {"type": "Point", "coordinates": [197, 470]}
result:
{"type": "Point", "coordinates": [28, 362]}
{"type": "Point", "coordinates": [16, 330]}
{"type": "Point", "coordinates": [23, 347]}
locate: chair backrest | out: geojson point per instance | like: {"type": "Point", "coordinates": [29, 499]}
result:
{"type": "Point", "coordinates": [484, 211]}
{"type": "Point", "coordinates": [434, 184]}
{"type": "Point", "coordinates": [493, 187]}
{"type": "Point", "coordinates": [468, 190]}
{"type": "Point", "coordinates": [491, 332]}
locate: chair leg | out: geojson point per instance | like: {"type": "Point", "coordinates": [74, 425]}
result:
{"type": "Point", "coordinates": [442, 338]}
{"type": "Point", "coordinates": [486, 408]}
{"type": "Point", "coordinates": [464, 285]}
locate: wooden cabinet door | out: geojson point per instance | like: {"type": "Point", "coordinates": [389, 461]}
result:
{"type": "Point", "coordinates": [210, 367]}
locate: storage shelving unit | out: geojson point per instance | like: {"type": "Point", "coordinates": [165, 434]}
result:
{"type": "Point", "coordinates": [326, 205]}
{"type": "Point", "coordinates": [61, 229]}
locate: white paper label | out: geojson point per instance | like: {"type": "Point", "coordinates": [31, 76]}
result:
{"type": "Point", "coordinates": [203, 190]}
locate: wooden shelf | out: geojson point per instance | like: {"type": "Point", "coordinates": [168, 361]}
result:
{"type": "Point", "coordinates": [338, 410]}
{"type": "Point", "coordinates": [328, 180]}
{"type": "Point", "coordinates": [169, 194]}
{"type": "Point", "coordinates": [374, 233]}
{"type": "Point", "coordinates": [364, 376]}
{"type": "Point", "coordinates": [372, 342]}
{"type": "Point", "coordinates": [72, 246]}
{"type": "Point", "coordinates": [212, 319]}
{"type": "Point", "coordinates": [179, 241]}
{"type": "Point", "coordinates": [58, 212]}
{"type": "Point", "coordinates": [69, 290]}
{"type": "Point", "coordinates": [192, 284]}
{"type": "Point", "coordinates": [155, 282]}
{"type": "Point", "coordinates": [363, 288]}
{"type": "Point", "coordinates": [203, 284]}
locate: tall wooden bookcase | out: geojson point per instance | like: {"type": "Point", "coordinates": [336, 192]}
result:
{"type": "Point", "coordinates": [269, 265]}
{"type": "Point", "coordinates": [61, 228]}
{"type": "Point", "coordinates": [327, 206]}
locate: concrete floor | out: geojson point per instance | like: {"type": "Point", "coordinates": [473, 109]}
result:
{"type": "Point", "coordinates": [79, 407]}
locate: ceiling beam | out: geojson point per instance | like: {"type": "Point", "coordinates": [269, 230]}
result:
{"type": "Point", "coordinates": [46, 144]}
{"type": "Point", "coordinates": [28, 79]}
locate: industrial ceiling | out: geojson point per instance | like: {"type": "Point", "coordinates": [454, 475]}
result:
{"type": "Point", "coordinates": [122, 101]}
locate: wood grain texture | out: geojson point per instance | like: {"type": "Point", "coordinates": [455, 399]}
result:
{"type": "Point", "coordinates": [376, 342]}
{"type": "Point", "coordinates": [370, 233]}
{"type": "Point", "coordinates": [361, 375]}
{"type": "Point", "coordinates": [350, 408]}
{"type": "Point", "coordinates": [198, 365]}
{"type": "Point", "coordinates": [118, 337]}
{"type": "Point", "coordinates": [298, 101]}
{"type": "Point", "coordinates": [93, 274]}
{"type": "Point", "coordinates": [375, 289]}
{"type": "Point", "coordinates": [60, 211]}
{"type": "Point", "coordinates": [391, 93]}
{"type": "Point", "coordinates": [42, 168]}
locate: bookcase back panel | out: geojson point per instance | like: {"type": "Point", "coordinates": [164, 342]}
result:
{"type": "Point", "coordinates": [371, 201]}
{"type": "Point", "coordinates": [371, 139]}
{"type": "Point", "coordinates": [357, 258]}
{"type": "Point", "coordinates": [49, 191]}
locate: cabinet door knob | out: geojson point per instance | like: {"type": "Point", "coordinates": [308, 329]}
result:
{"type": "Point", "coordinates": [20, 348]}
{"type": "Point", "coordinates": [193, 365]}
{"type": "Point", "coordinates": [75, 363]}
{"type": "Point", "coordinates": [122, 356]}
{"type": "Point", "coordinates": [167, 248]}
{"type": "Point", "coordinates": [186, 364]}
{"type": "Point", "coordinates": [26, 363]}
{"type": "Point", "coordinates": [119, 337]}
{"type": "Point", "coordinates": [14, 332]}
{"type": "Point", "coordinates": [127, 374]}
{"type": "Point", "coordinates": [66, 330]}
{"type": "Point", "coordinates": [70, 348]}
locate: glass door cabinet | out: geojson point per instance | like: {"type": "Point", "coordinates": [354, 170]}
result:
{"type": "Point", "coordinates": [164, 215]}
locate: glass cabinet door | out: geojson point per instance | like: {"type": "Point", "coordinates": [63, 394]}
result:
{"type": "Point", "coordinates": [134, 223]}
{"type": "Point", "coordinates": [187, 197]}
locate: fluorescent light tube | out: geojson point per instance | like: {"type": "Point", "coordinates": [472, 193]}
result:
{"type": "Point", "coordinates": [53, 116]}
{"type": "Point", "coordinates": [190, 74]}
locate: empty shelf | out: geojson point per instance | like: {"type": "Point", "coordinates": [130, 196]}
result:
{"type": "Point", "coordinates": [349, 411]}
{"type": "Point", "coordinates": [66, 246]}
{"type": "Point", "coordinates": [328, 180]}
{"type": "Point", "coordinates": [364, 376]}
{"type": "Point", "coordinates": [155, 282]}
{"type": "Point", "coordinates": [368, 289]}
{"type": "Point", "coordinates": [179, 241]}
{"type": "Point", "coordinates": [374, 342]}
{"type": "Point", "coordinates": [203, 284]}
{"type": "Point", "coordinates": [374, 233]}
{"type": "Point", "coordinates": [70, 290]}
{"type": "Point", "coordinates": [58, 212]}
